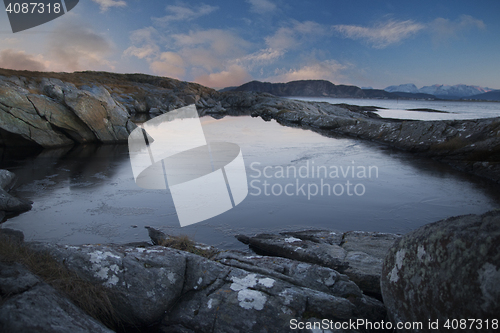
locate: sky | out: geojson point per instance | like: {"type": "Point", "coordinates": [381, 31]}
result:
{"type": "Point", "coordinates": [230, 42]}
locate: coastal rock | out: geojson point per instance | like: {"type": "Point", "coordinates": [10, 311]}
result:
{"type": "Point", "coordinates": [19, 117]}
{"type": "Point", "coordinates": [30, 305]}
{"type": "Point", "coordinates": [358, 255]}
{"type": "Point", "coordinates": [54, 113]}
{"type": "Point", "coordinates": [445, 270]}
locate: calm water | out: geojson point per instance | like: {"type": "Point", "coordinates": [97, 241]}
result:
{"type": "Point", "coordinates": [88, 194]}
{"type": "Point", "coordinates": [399, 108]}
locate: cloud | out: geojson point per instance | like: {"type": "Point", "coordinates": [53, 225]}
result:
{"type": "Point", "coordinates": [443, 29]}
{"type": "Point", "coordinates": [295, 34]}
{"type": "Point", "coordinates": [73, 47]}
{"type": "Point", "coordinates": [261, 6]}
{"type": "Point", "coordinates": [234, 76]}
{"type": "Point", "coordinates": [382, 34]}
{"type": "Point", "coordinates": [169, 64]}
{"type": "Point", "coordinates": [261, 57]}
{"type": "Point", "coordinates": [106, 4]}
{"type": "Point", "coordinates": [147, 39]}
{"type": "Point", "coordinates": [209, 50]}
{"type": "Point", "coordinates": [184, 13]}
{"type": "Point", "coordinates": [196, 53]}
{"type": "Point", "coordinates": [19, 60]}
{"type": "Point", "coordinates": [330, 70]}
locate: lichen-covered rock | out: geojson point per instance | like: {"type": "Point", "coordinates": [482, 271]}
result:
{"type": "Point", "coordinates": [30, 305]}
{"type": "Point", "coordinates": [145, 282]}
{"type": "Point", "coordinates": [358, 255]}
{"type": "Point", "coordinates": [445, 270]}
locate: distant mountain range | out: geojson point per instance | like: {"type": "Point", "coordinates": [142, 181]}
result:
{"type": "Point", "coordinates": [441, 91]}
{"type": "Point", "coordinates": [323, 88]}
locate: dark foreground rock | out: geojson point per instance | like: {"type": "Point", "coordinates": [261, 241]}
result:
{"type": "Point", "coordinates": [446, 270]}
{"type": "Point", "coordinates": [359, 255]}
{"type": "Point", "coordinates": [30, 305]}
{"type": "Point", "coordinates": [8, 203]}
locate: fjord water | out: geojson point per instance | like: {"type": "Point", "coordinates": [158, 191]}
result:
{"type": "Point", "coordinates": [399, 109]}
{"type": "Point", "coordinates": [87, 194]}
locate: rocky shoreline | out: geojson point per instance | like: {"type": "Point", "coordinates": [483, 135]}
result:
{"type": "Point", "coordinates": [312, 276]}
{"type": "Point", "coordinates": [57, 109]}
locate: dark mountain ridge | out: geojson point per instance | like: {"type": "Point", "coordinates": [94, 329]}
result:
{"type": "Point", "coordinates": [323, 88]}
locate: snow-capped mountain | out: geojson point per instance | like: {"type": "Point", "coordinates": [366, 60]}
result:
{"type": "Point", "coordinates": [459, 90]}
{"type": "Point", "coordinates": [408, 88]}
{"type": "Point", "coordinates": [440, 90]}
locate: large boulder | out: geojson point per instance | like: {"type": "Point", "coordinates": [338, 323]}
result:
{"type": "Point", "coordinates": [446, 270]}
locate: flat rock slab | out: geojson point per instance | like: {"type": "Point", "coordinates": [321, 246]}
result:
{"type": "Point", "coordinates": [359, 255]}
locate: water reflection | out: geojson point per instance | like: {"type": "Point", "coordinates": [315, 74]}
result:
{"type": "Point", "coordinates": [87, 194]}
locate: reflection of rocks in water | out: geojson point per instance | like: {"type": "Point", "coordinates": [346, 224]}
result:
{"type": "Point", "coordinates": [82, 165]}
{"type": "Point", "coordinates": [90, 164]}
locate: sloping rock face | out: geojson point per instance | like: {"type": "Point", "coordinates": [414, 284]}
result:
{"type": "Point", "coordinates": [30, 305]}
{"type": "Point", "coordinates": [359, 255]}
{"type": "Point", "coordinates": [53, 113]}
{"type": "Point", "coordinates": [446, 270]}
{"type": "Point", "coordinates": [58, 109]}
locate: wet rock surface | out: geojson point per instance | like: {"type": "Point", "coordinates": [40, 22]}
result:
{"type": "Point", "coordinates": [445, 270]}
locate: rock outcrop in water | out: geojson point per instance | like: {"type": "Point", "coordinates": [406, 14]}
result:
{"type": "Point", "coordinates": [469, 145]}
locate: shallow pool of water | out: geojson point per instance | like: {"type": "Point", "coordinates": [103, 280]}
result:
{"type": "Point", "coordinates": [297, 179]}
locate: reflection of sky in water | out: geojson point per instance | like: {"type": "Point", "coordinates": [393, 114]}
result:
{"type": "Point", "coordinates": [89, 195]}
